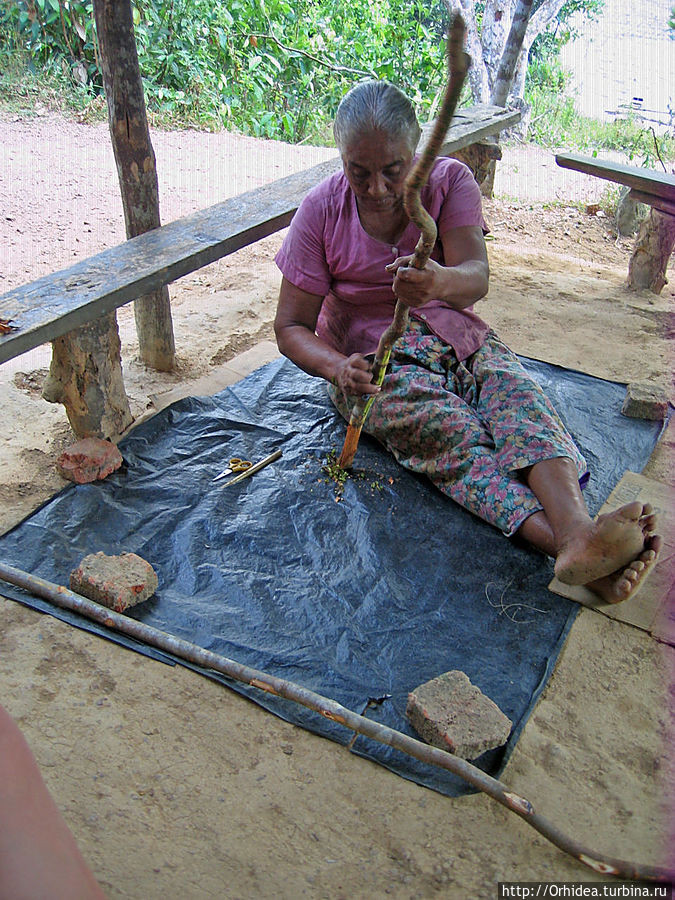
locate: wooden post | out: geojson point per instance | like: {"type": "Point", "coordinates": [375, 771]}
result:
{"type": "Point", "coordinates": [653, 247]}
{"type": "Point", "coordinates": [86, 376]}
{"type": "Point", "coordinates": [136, 168]}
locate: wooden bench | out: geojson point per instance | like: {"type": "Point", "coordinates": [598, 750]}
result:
{"type": "Point", "coordinates": [648, 186]}
{"type": "Point", "coordinates": [56, 304]}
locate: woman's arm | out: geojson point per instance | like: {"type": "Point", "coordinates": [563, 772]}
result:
{"type": "Point", "coordinates": [459, 283]}
{"type": "Point", "coordinates": [294, 326]}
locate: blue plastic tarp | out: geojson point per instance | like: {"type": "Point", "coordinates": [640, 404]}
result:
{"type": "Point", "coordinates": [358, 597]}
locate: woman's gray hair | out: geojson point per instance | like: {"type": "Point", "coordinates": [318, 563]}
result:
{"type": "Point", "coordinates": [375, 106]}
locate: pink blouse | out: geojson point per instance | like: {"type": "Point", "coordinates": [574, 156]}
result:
{"type": "Point", "coordinates": [327, 252]}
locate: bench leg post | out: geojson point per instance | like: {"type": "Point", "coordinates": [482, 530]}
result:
{"type": "Point", "coordinates": [653, 247]}
{"type": "Point", "coordinates": [154, 327]}
{"type": "Point", "coordinates": [86, 377]}
{"type": "Point", "coordinates": [481, 158]}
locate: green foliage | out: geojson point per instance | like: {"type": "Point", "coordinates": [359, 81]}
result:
{"type": "Point", "coordinates": [52, 33]}
{"type": "Point", "coordinates": [609, 199]}
{"type": "Point", "coordinates": [271, 68]}
{"type": "Point", "coordinates": [547, 45]}
{"type": "Point", "coordinates": [38, 68]}
{"type": "Point", "coordinates": [278, 68]}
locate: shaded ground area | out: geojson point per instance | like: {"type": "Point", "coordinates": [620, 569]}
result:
{"type": "Point", "coordinates": [175, 786]}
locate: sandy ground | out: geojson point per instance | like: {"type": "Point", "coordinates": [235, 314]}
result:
{"type": "Point", "coordinates": [176, 787]}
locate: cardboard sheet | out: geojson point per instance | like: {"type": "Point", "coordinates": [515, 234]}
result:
{"type": "Point", "coordinates": [652, 608]}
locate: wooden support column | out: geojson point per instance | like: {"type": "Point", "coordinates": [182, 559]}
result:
{"type": "Point", "coordinates": [136, 168]}
{"type": "Point", "coordinates": [86, 376]}
{"type": "Point", "coordinates": [653, 248]}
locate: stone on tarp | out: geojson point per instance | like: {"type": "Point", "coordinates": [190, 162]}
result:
{"type": "Point", "coordinates": [645, 401]}
{"type": "Point", "coordinates": [90, 459]}
{"type": "Point", "coordinates": [117, 582]}
{"type": "Point", "coordinates": [452, 713]}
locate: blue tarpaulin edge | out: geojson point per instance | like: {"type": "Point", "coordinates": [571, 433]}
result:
{"type": "Point", "coordinates": [283, 532]}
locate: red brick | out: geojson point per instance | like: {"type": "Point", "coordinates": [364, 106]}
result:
{"type": "Point", "coordinates": [90, 459]}
{"type": "Point", "coordinates": [117, 582]}
{"type": "Point", "coordinates": [451, 713]}
{"type": "Point", "coordinates": [645, 401]}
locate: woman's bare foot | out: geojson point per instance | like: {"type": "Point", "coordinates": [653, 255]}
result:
{"type": "Point", "coordinates": [606, 546]}
{"type": "Point", "coordinates": [626, 582]}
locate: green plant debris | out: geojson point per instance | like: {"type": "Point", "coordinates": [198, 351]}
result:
{"type": "Point", "coordinates": [338, 477]}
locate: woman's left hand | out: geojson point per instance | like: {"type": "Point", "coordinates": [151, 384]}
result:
{"type": "Point", "coordinates": [415, 287]}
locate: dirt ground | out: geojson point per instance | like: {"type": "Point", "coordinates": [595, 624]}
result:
{"type": "Point", "coordinates": [176, 787]}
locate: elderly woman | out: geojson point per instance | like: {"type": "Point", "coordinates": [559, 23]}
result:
{"type": "Point", "coordinates": [455, 405]}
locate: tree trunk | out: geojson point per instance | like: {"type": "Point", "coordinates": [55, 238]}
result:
{"type": "Point", "coordinates": [517, 96]}
{"type": "Point", "coordinates": [520, 74]}
{"type": "Point", "coordinates": [488, 47]}
{"type": "Point", "coordinates": [86, 376]}
{"type": "Point", "coordinates": [477, 75]}
{"type": "Point", "coordinates": [539, 21]}
{"type": "Point", "coordinates": [136, 168]}
{"type": "Point", "coordinates": [653, 247]}
{"type": "Point", "coordinates": [481, 159]}
{"type": "Point", "coordinates": [507, 64]}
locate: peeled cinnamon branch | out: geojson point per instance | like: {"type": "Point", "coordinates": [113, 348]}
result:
{"type": "Point", "coordinates": [458, 66]}
{"type": "Point", "coordinates": [335, 712]}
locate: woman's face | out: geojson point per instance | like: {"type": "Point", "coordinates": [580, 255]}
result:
{"type": "Point", "coordinates": [376, 166]}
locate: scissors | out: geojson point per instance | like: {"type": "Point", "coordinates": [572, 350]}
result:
{"type": "Point", "coordinates": [234, 465]}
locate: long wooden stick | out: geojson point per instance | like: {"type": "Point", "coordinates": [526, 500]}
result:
{"type": "Point", "coordinates": [458, 66]}
{"type": "Point", "coordinates": [330, 709]}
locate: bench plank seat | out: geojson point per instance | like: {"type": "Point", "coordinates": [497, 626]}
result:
{"type": "Point", "coordinates": [657, 189]}
{"type": "Point", "coordinates": [471, 124]}
{"type": "Point", "coordinates": [56, 304]}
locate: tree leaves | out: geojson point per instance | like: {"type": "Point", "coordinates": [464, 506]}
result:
{"type": "Point", "coordinates": [270, 67]}
{"type": "Point", "coordinates": [276, 68]}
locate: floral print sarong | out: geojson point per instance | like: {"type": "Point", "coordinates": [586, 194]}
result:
{"type": "Point", "coordinates": [470, 426]}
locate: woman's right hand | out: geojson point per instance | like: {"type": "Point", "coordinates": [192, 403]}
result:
{"type": "Point", "coordinates": [354, 376]}
{"type": "Point", "coordinates": [295, 328]}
